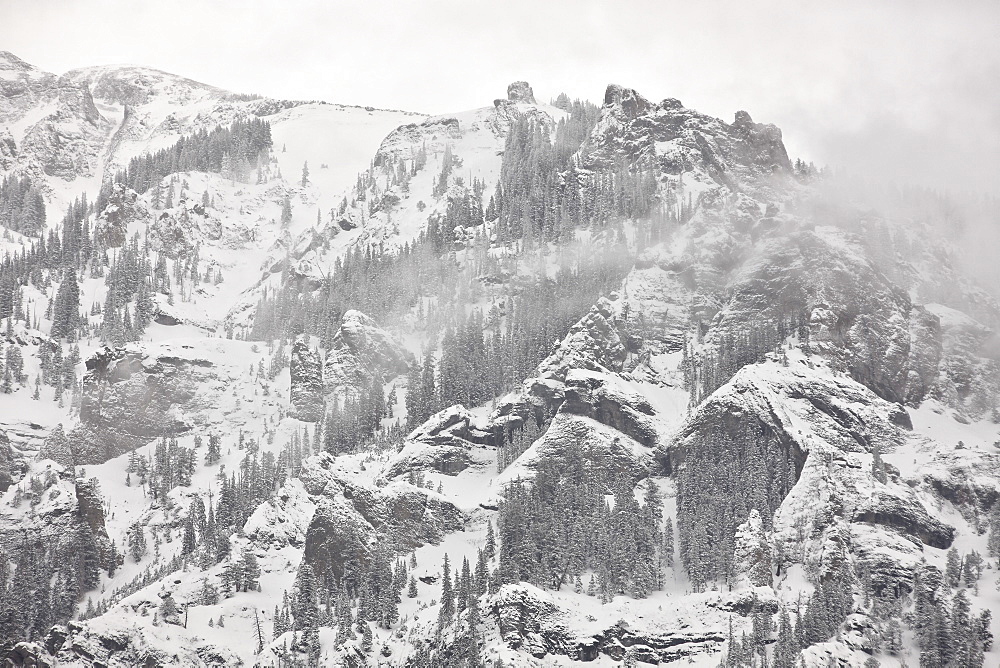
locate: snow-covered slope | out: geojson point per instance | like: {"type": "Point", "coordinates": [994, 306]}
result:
{"type": "Point", "coordinates": [74, 130]}
{"type": "Point", "coordinates": [818, 386]}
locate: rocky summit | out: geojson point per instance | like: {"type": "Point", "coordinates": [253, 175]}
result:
{"type": "Point", "coordinates": [290, 383]}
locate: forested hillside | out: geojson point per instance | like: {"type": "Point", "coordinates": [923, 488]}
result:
{"type": "Point", "coordinates": [531, 385]}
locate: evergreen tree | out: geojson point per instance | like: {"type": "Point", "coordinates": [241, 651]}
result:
{"type": "Point", "coordinates": [447, 611]}
{"type": "Point", "coordinates": [66, 310]}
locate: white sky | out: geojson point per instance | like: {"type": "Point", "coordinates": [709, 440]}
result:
{"type": "Point", "coordinates": [908, 90]}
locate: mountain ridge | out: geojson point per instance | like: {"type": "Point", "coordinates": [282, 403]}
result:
{"type": "Point", "coordinates": [609, 384]}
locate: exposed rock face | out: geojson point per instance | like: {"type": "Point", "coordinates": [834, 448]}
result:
{"type": "Point", "coordinates": [338, 539]}
{"type": "Point", "coordinates": [969, 374]}
{"type": "Point", "coordinates": [592, 344]}
{"type": "Point", "coordinates": [632, 103]}
{"type": "Point", "coordinates": [520, 91]}
{"type": "Point", "coordinates": [359, 352]}
{"type": "Point", "coordinates": [570, 435]}
{"type": "Point", "coordinates": [900, 512]}
{"type": "Point", "coordinates": [98, 643]}
{"type": "Point", "coordinates": [448, 443]}
{"type": "Point", "coordinates": [856, 316]}
{"type": "Point", "coordinates": [925, 354]}
{"type": "Point", "coordinates": [6, 463]}
{"type": "Point", "coordinates": [608, 400]}
{"type": "Point", "coordinates": [350, 517]}
{"type": "Point", "coordinates": [682, 139]}
{"type": "Point", "coordinates": [63, 509]}
{"type": "Point", "coordinates": [128, 400]}
{"type": "Point", "coordinates": [307, 384]}
{"type": "Point", "coordinates": [760, 143]}
{"type": "Point", "coordinates": [830, 425]}
{"type": "Point", "coordinates": [67, 143]}
{"type": "Point", "coordinates": [841, 414]}
{"type": "Point", "coordinates": [134, 394]}
{"type": "Point", "coordinates": [90, 507]}
{"type": "Point", "coordinates": [533, 621]}
{"type": "Point", "coordinates": [123, 208]}
{"type": "Point", "coordinates": [660, 303]}
{"type": "Point", "coordinates": [406, 140]}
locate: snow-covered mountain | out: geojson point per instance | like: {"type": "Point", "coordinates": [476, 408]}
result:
{"type": "Point", "coordinates": [527, 385]}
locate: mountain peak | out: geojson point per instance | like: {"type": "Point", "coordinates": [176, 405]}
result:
{"type": "Point", "coordinates": [631, 102]}
{"type": "Point", "coordinates": [8, 61]}
{"type": "Point", "coordinates": [12, 67]}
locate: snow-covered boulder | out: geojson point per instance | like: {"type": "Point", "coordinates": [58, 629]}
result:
{"type": "Point", "coordinates": [283, 519]}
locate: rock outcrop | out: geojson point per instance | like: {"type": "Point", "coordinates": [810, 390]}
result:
{"type": "Point", "coordinates": [449, 442]}
{"type": "Point", "coordinates": [94, 644]}
{"type": "Point", "coordinates": [140, 392]}
{"type": "Point", "coordinates": [535, 622]}
{"type": "Point", "coordinates": [123, 208]}
{"type": "Point", "coordinates": [306, 397]}
{"type": "Point", "coordinates": [520, 91]}
{"type": "Point", "coordinates": [90, 508]}
{"type": "Point", "coordinates": [6, 463]}
{"type": "Point", "coordinates": [592, 344]}
{"type": "Point", "coordinates": [831, 426]}
{"type": "Point", "coordinates": [359, 352]}
{"type": "Point", "coordinates": [64, 512]}
{"type": "Point", "coordinates": [571, 435]}
{"type": "Point", "coordinates": [350, 517]}
{"type": "Point", "coordinates": [682, 140]}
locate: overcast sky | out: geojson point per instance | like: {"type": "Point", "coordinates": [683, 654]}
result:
{"type": "Point", "coordinates": [909, 90]}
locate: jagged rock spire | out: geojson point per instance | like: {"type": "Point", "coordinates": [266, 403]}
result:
{"type": "Point", "coordinates": [520, 91]}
